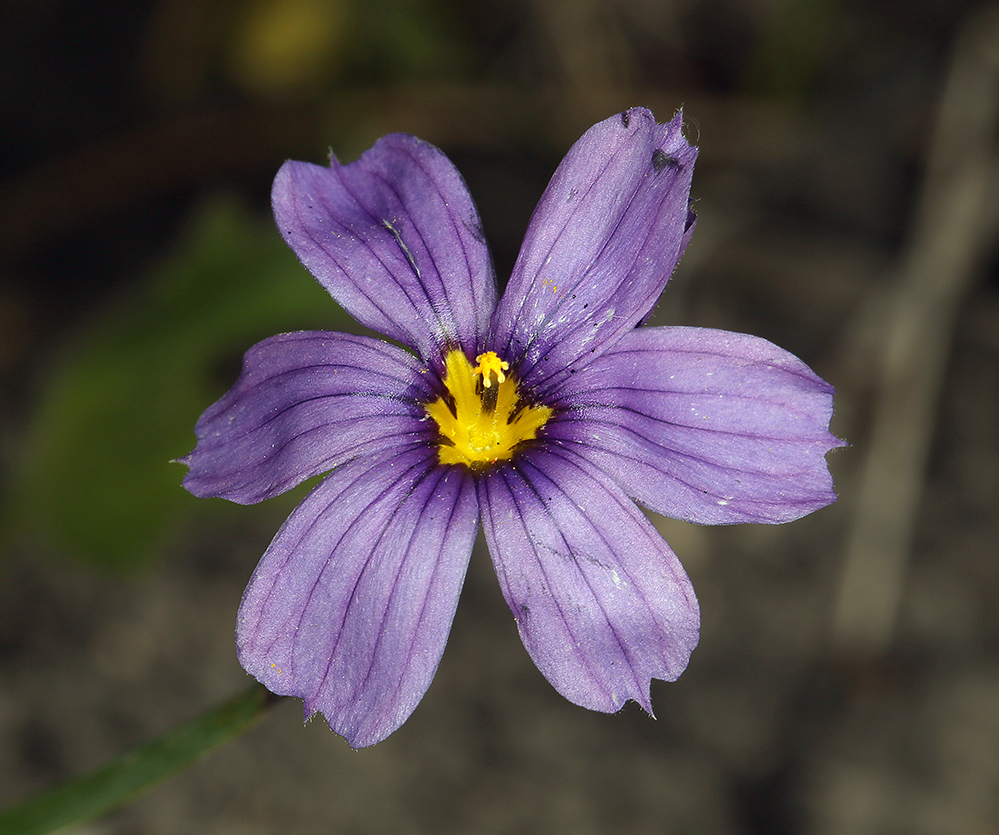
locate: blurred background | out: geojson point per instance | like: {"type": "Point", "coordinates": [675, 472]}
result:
{"type": "Point", "coordinates": [848, 199]}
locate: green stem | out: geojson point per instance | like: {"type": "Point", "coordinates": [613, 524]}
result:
{"type": "Point", "coordinates": [135, 771]}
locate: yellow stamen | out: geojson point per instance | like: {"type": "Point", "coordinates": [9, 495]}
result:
{"type": "Point", "coordinates": [481, 423]}
{"type": "Point", "coordinates": [490, 367]}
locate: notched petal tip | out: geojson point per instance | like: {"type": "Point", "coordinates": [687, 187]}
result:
{"type": "Point", "coordinates": [600, 247]}
{"type": "Point", "coordinates": [304, 403]}
{"type": "Point", "coordinates": [601, 602]}
{"type": "Point", "coordinates": [352, 604]}
{"type": "Point", "coordinates": [706, 426]}
{"type": "Point", "coordinates": [394, 237]}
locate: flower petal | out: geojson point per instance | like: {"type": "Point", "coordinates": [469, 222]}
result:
{"type": "Point", "coordinates": [351, 605]}
{"type": "Point", "coordinates": [602, 604]}
{"type": "Point", "coordinates": [704, 425]}
{"type": "Point", "coordinates": [602, 243]}
{"type": "Point", "coordinates": [396, 239]}
{"type": "Point", "coordinates": [305, 403]}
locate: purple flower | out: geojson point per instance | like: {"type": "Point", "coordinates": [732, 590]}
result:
{"type": "Point", "coordinates": [543, 414]}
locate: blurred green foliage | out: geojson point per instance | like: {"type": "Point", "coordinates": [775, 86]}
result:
{"type": "Point", "coordinates": [96, 478]}
{"type": "Point", "coordinates": [796, 41]}
{"type": "Point", "coordinates": [275, 48]}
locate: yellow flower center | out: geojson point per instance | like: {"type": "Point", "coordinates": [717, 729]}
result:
{"type": "Point", "coordinates": [480, 417]}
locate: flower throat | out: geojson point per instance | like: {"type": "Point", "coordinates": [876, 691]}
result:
{"type": "Point", "coordinates": [480, 417]}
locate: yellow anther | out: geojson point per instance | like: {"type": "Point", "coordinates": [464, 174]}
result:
{"type": "Point", "coordinates": [490, 367]}
{"type": "Point", "coordinates": [480, 425]}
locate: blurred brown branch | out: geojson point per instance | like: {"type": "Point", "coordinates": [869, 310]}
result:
{"type": "Point", "coordinates": [953, 230]}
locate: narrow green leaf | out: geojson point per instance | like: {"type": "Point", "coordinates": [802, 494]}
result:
{"type": "Point", "coordinates": [136, 771]}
